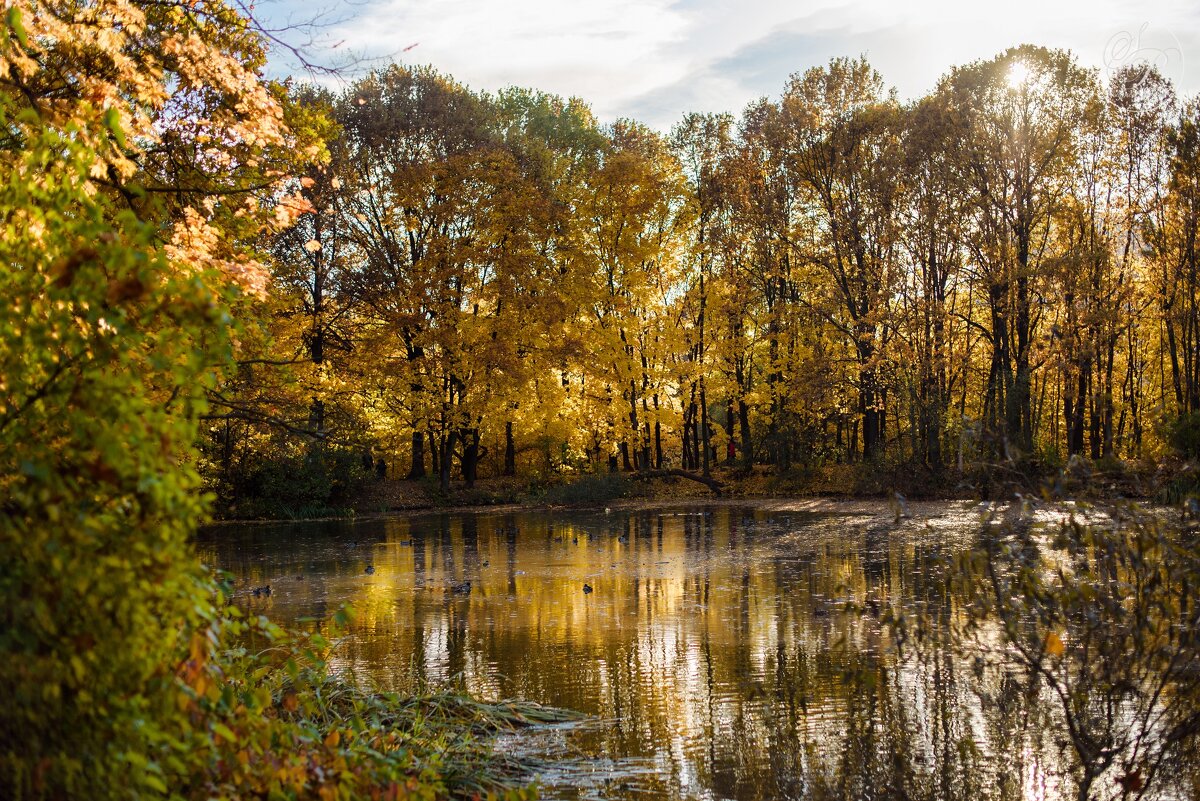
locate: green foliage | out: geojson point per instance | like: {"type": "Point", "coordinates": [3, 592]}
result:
{"type": "Point", "coordinates": [591, 489]}
{"type": "Point", "coordinates": [121, 674]}
{"type": "Point", "coordinates": [1184, 485]}
{"type": "Point", "coordinates": [318, 482]}
{"type": "Point", "coordinates": [1183, 435]}
{"type": "Point", "coordinates": [105, 352]}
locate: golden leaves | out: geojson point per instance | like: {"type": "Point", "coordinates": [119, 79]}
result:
{"type": "Point", "coordinates": [192, 81]}
{"type": "Point", "coordinates": [197, 245]}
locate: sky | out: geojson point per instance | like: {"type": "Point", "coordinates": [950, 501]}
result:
{"type": "Point", "coordinates": [655, 60]}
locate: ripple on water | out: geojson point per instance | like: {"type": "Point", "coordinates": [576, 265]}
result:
{"type": "Point", "coordinates": [725, 651]}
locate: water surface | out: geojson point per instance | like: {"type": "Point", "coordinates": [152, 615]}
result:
{"type": "Point", "coordinates": [722, 651]}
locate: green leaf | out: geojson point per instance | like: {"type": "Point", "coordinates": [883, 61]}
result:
{"type": "Point", "coordinates": [112, 121]}
{"type": "Point", "coordinates": [224, 731]}
{"type": "Point", "coordinates": [17, 26]}
{"type": "Point", "coordinates": [154, 782]}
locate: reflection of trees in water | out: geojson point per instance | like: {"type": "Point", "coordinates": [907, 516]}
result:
{"type": "Point", "coordinates": [743, 658]}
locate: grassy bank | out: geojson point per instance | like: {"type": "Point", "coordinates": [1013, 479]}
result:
{"type": "Point", "coordinates": [271, 717]}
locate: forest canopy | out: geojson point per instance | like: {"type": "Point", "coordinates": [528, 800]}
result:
{"type": "Point", "coordinates": [1002, 270]}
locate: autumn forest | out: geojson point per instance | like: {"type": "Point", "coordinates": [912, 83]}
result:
{"type": "Point", "coordinates": [1002, 270]}
{"type": "Point", "coordinates": [235, 297]}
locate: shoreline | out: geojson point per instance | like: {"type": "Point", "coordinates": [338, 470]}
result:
{"type": "Point", "coordinates": [400, 497]}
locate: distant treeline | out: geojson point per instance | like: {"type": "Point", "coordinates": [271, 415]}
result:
{"type": "Point", "coordinates": [1004, 269]}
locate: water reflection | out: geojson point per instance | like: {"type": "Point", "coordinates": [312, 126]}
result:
{"type": "Point", "coordinates": [725, 651]}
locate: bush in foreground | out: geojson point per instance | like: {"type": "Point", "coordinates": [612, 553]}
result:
{"type": "Point", "coordinates": [141, 155]}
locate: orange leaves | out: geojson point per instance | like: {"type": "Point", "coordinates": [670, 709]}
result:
{"type": "Point", "coordinates": [290, 208]}
{"type": "Point", "coordinates": [192, 672]}
{"type": "Point", "coordinates": [171, 81]}
{"type": "Point", "coordinates": [196, 244]}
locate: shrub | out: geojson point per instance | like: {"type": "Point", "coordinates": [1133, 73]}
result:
{"type": "Point", "coordinates": [318, 483]}
{"type": "Point", "coordinates": [592, 489]}
{"type": "Point", "coordinates": [1183, 435]}
{"type": "Point", "coordinates": [102, 361]}
{"type": "Point", "coordinates": [119, 671]}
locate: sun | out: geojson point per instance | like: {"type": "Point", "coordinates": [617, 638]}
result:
{"type": "Point", "coordinates": [1018, 75]}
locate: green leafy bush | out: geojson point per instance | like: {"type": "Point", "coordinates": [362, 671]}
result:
{"type": "Point", "coordinates": [105, 352]}
{"type": "Point", "coordinates": [319, 482]}
{"type": "Point", "coordinates": [1183, 435]}
{"type": "Point", "coordinates": [591, 489]}
{"type": "Point", "coordinates": [122, 673]}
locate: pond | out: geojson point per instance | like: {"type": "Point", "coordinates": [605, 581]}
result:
{"type": "Point", "coordinates": [721, 651]}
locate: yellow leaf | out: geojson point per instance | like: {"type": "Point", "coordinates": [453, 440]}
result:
{"type": "Point", "coordinates": [1054, 644]}
{"type": "Point", "coordinates": [333, 739]}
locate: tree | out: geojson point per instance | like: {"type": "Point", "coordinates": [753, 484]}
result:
{"type": "Point", "coordinates": [1017, 119]}
{"type": "Point", "coordinates": [931, 232]}
{"type": "Point", "coordinates": [141, 155]}
{"type": "Point", "coordinates": [631, 243]}
{"type": "Point", "coordinates": [704, 144]}
{"type": "Point", "coordinates": [1176, 253]}
{"type": "Point", "coordinates": [844, 152]}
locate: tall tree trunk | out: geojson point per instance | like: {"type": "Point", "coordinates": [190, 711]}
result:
{"type": "Point", "coordinates": [418, 456]}
{"type": "Point", "coordinates": [446, 450]}
{"type": "Point", "coordinates": [510, 450]}
{"type": "Point", "coordinates": [658, 451]}
{"type": "Point", "coordinates": [744, 433]}
{"type": "Point", "coordinates": [470, 456]}
{"type": "Point", "coordinates": [1074, 408]}
{"type": "Point", "coordinates": [634, 427]}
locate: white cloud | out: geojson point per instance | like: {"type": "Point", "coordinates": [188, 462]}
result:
{"type": "Point", "coordinates": [597, 50]}
{"type": "Point", "coordinates": [657, 59]}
